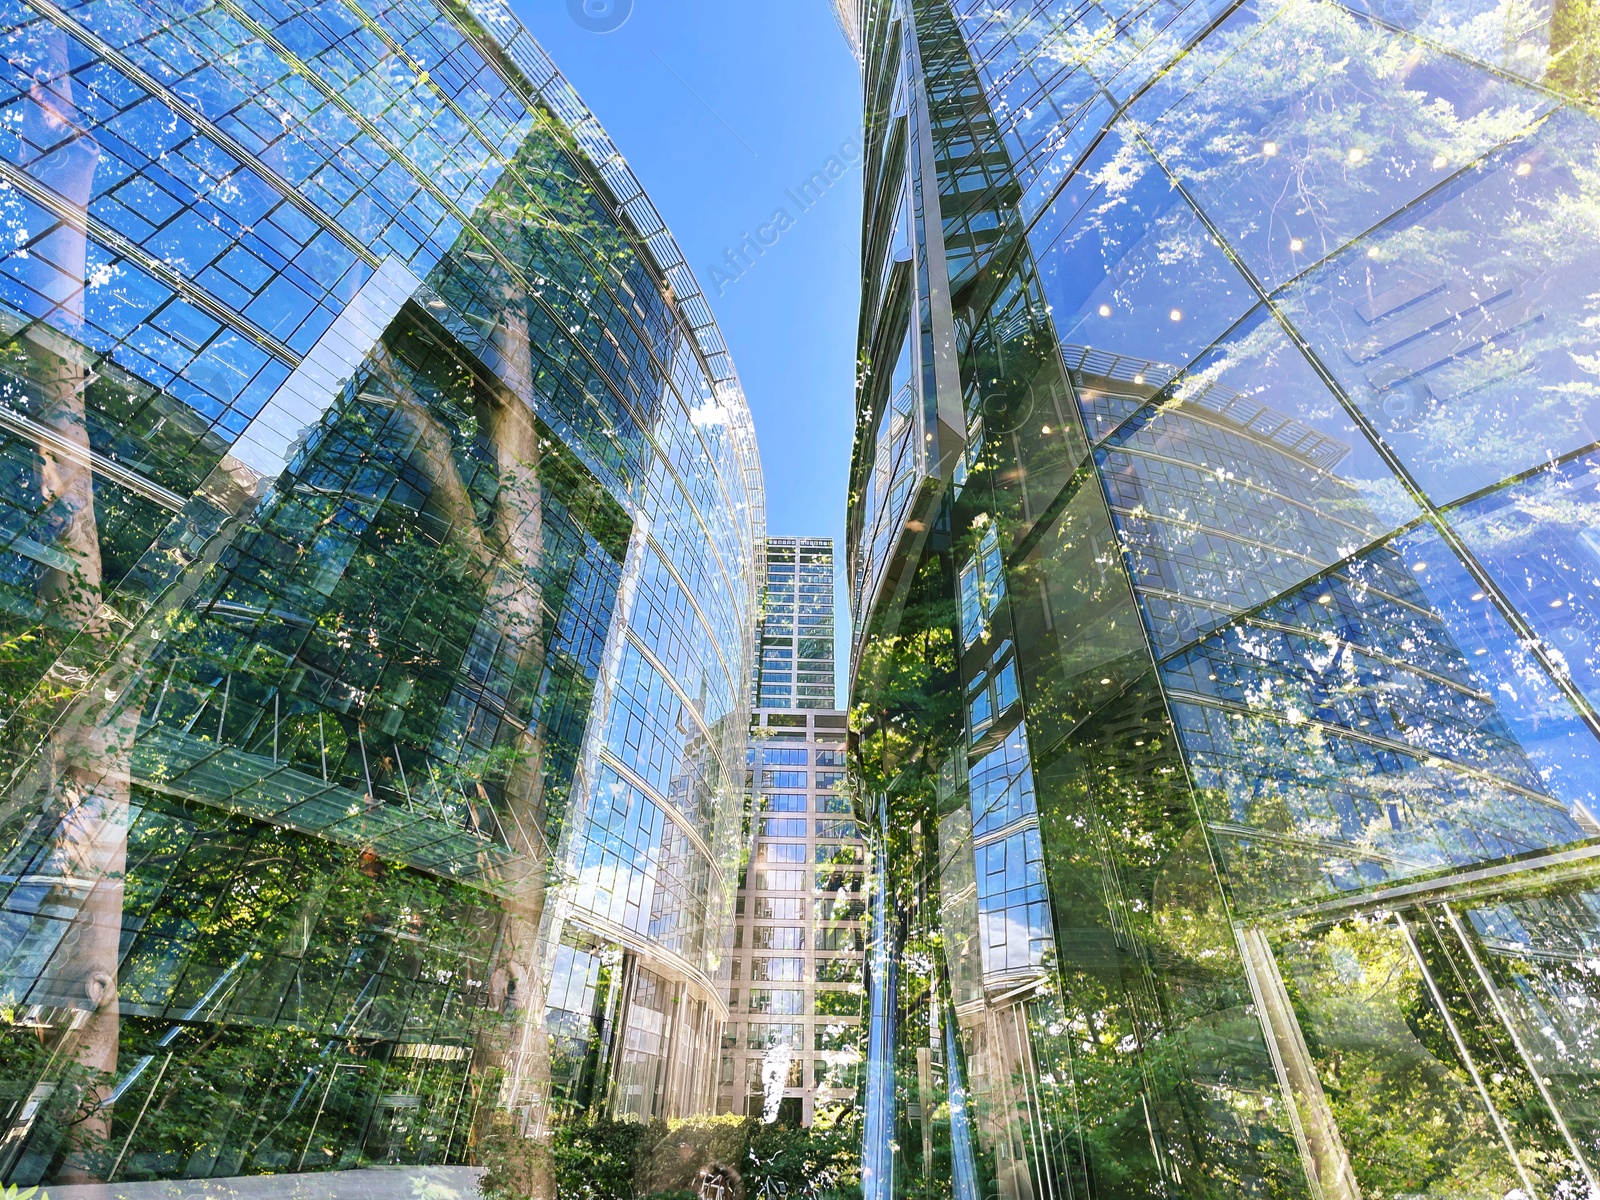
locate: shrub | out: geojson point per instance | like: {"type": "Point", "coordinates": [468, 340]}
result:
{"type": "Point", "coordinates": [597, 1158]}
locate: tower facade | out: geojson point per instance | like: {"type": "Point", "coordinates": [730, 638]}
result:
{"type": "Point", "coordinates": [1220, 552]}
{"type": "Point", "coordinates": [382, 522]}
{"type": "Point", "coordinates": [792, 1049]}
{"type": "Point", "coordinates": [797, 628]}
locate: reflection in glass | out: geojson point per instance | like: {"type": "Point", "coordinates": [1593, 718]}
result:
{"type": "Point", "coordinates": [1226, 496]}
{"type": "Point", "coordinates": [1234, 722]}
{"type": "Point", "coordinates": [358, 466]}
{"type": "Point", "coordinates": [1541, 541]}
{"type": "Point", "coordinates": [1160, 289]}
{"type": "Point", "coordinates": [1292, 156]}
{"type": "Point", "coordinates": [1385, 710]}
{"type": "Point", "coordinates": [1470, 347]}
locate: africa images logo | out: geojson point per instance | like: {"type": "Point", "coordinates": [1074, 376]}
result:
{"type": "Point", "coordinates": [803, 196]}
{"type": "Point", "coordinates": [600, 16]}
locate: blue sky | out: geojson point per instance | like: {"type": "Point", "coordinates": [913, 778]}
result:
{"type": "Point", "coordinates": [722, 108]}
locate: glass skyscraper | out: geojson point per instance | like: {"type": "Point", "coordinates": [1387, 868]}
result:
{"type": "Point", "coordinates": [1224, 547]}
{"type": "Point", "coordinates": [797, 630]}
{"type": "Point", "coordinates": [380, 523]}
{"type": "Point", "coordinates": [792, 1049]}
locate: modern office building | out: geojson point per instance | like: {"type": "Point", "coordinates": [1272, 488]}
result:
{"type": "Point", "coordinates": [1223, 550]}
{"type": "Point", "coordinates": [797, 628]}
{"type": "Point", "coordinates": [380, 522]}
{"type": "Point", "coordinates": [792, 1048]}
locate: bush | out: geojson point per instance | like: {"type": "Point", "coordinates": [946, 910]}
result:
{"type": "Point", "coordinates": [597, 1158]}
{"type": "Point", "coordinates": [823, 1161]}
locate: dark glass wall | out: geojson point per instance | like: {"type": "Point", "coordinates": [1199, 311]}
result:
{"type": "Point", "coordinates": [1223, 692]}
{"type": "Point", "coordinates": [369, 780]}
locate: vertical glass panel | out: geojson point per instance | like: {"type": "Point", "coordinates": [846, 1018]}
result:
{"type": "Point", "coordinates": [980, 588]}
{"type": "Point", "coordinates": [893, 474]}
{"type": "Point", "coordinates": [1013, 919]}
{"type": "Point", "coordinates": [958, 906]}
{"type": "Point", "coordinates": [1078, 630]}
{"type": "Point", "coordinates": [1157, 1065]}
{"type": "Point", "coordinates": [1535, 953]}
{"type": "Point", "coordinates": [1001, 782]}
{"type": "Point", "coordinates": [1022, 433]}
{"type": "Point", "coordinates": [1464, 329]}
{"type": "Point", "coordinates": [1413, 1118]}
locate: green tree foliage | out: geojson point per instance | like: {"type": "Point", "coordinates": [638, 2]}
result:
{"type": "Point", "coordinates": [821, 1162]}
{"type": "Point", "coordinates": [598, 1158]}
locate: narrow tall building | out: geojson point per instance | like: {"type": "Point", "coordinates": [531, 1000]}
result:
{"type": "Point", "coordinates": [380, 522]}
{"type": "Point", "coordinates": [792, 1050]}
{"type": "Point", "coordinates": [1223, 560]}
{"type": "Point", "coordinates": [797, 626]}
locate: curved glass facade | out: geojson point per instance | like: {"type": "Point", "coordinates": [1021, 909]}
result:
{"type": "Point", "coordinates": [1226, 475]}
{"type": "Point", "coordinates": [379, 551]}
